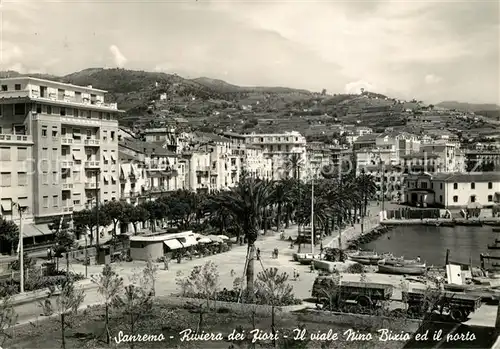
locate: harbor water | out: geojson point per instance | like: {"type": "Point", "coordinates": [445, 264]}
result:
{"type": "Point", "coordinates": [431, 243]}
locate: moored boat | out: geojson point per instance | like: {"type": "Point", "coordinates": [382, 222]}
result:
{"type": "Point", "coordinates": [365, 257]}
{"type": "Point", "coordinates": [401, 269]}
{"type": "Point", "coordinates": [401, 261]}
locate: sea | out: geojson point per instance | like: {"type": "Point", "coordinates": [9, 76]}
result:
{"type": "Point", "coordinates": [431, 243]}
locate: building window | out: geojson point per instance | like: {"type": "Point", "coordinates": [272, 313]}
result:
{"type": "Point", "coordinates": [4, 154]}
{"type": "Point", "coordinates": [22, 179]}
{"type": "Point", "coordinates": [19, 109]}
{"type": "Point", "coordinates": [54, 133]}
{"type": "Point", "coordinates": [473, 185]}
{"type": "Point", "coordinates": [5, 179]}
{"type": "Point", "coordinates": [45, 202]}
{"type": "Point", "coordinates": [44, 131]}
{"type": "Point", "coordinates": [62, 111]}
{"type": "Point", "coordinates": [22, 154]}
{"type": "Point", "coordinates": [38, 109]}
{"type": "Point", "coordinates": [17, 87]}
{"type": "Point", "coordinates": [5, 88]}
{"type": "Point", "coordinates": [45, 178]}
{"type": "Point", "coordinates": [441, 186]}
{"type": "Point", "coordinates": [455, 186]}
{"type": "Point", "coordinates": [490, 198]}
{"type": "Point", "coordinates": [473, 198]}
{"type": "Point", "coordinates": [440, 198]}
{"type": "Point", "coordinates": [455, 198]}
{"type": "Point", "coordinates": [54, 178]}
{"type": "Point", "coordinates": [55, 200]}
{"type": "Point", "coordinates": [490, 185]}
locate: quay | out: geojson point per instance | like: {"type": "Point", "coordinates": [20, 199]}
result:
{"type": "Point", "coordinates": [443, 221]}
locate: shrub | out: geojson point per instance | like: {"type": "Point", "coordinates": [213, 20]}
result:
{"type": "Point", "coordinates": [355, 269]}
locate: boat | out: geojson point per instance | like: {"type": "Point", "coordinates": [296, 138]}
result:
{"type": "Point", "coordinates": [401, 269]}
{"type": "Point", "coordinates": [495, 246]}
{"type": "Point", "coordinates": [401, 261]}
{"type": "Point", "coordinates": [365, 257]}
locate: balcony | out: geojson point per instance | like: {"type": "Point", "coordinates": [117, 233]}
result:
{"type": "Point", "coordinates": [15, 94]}
{"type": "Point", "coordinates": [92, 164]}
{"type": "Point", "coordinates": [90, 185]}
{"type": "Point", "coordinates": [15, 139]}
{"type": "Point", "coordinates": [92, 142]}
{"type": "Point", "coordinates": [67, 186]}
{"type": "Point", "coordinates": [67, 164]}
{"type": "Point", "coordinates": [67, 141]}
{"type": "Point", "coordinates": [68, 209]}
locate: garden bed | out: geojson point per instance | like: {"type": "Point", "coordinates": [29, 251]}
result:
{"type": "Point", "coordinates": [169, 320]}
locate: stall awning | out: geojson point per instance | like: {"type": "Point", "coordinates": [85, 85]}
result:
{"type": "Point", "coordinates": [6, 205]}
{"type": "Point", "coordinates": [173, 244]}
{"type": "Point", "coordinates": [30, 230]}
{"type": "Point", "coordinates": [189, 241]}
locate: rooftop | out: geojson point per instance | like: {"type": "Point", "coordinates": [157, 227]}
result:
{"type": "Point", "coordinates": [76, 87]}
{"type": "Point", "coordinates": [468, 177]}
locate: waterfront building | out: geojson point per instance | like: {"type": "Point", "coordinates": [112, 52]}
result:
{"type": "Point", "coordinates": [452, 190]}
{"type": "Point", "coordinates": [434, 158]}
{"type": "Point", "coordinates": [59, 149]}
{"type": "Point", "coordinates": [319, 157]}
{"type": "Point", "coordinates": [279, 148]}
{"type": "Point", "coordinates": [482, 160]}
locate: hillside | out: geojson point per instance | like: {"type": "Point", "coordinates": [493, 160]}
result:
{"type": "Point", "coordinates": [467, 107]}
{"type": "Point", "coordinates": [154, 98]}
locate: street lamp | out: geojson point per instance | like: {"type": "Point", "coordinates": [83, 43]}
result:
{"type": "Point", "coordinates": [21, 209]}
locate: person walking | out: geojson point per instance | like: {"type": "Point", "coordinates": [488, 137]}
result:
{"type": "Point", "coordinates": [258, 254]}
{"type": "Point", "coordinates": [165, 262]}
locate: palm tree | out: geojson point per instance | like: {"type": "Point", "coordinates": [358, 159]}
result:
{"type": "Point", "coordinates": [245, 203]}
{"type": "Point", "coordinates": [293, 163]}
{"type": "Point", "coordinates": [281, 196]}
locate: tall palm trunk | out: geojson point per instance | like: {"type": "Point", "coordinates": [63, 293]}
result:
{"type": "Point", "coordinates": [278, 217]}
{"type": "Point", "coordinates": [250, 272]}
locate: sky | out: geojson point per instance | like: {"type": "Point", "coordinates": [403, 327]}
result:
{"type": "Point", "coordinates": [431, 51]}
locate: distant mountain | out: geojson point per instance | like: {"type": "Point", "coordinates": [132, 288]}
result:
{"type": "Point", "coordinates": [467, 107]}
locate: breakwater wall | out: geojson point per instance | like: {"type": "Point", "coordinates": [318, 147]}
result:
{"type": "Point", "coordinates": [442, 222]}
{"type": "Point", "coordinates": [370, 236]}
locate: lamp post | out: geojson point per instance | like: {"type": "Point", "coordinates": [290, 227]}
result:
{"type": "Point", "coordinates": [312, 216]}
{"type": "Point", "coordinates": [21, 246]}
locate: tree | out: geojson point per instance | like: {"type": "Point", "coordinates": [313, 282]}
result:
{"type": "Point", "coordinates": [245, 202]}
{"type": "Point", "coordinates": [137, 214]}
{"type": "Point", "coordinates": [135, 303]}
{"type": "Point", "coordinates": [281, 196]}
{"type": "Point", "coordinates": [273, 288]}
{"type": "Point", "coordinates": [157, 210]}
{"type": "Point", "coordinates": [203, 282]}
{"type": "Point", "coordinates": [115, 211]}
{"type": "Point", "coordinates": [64, 240]}
{"type": "Point", "coordinates": [150, 273]}
{"type": "Point", "coordinates": [88, 219]}
{"type": "Point", "coordinates": [8, 318]}
{"type": "Point", "coordinates": [66, 304]}
{"type": "Point", "coordinates": [109, 286]}
{"type": "Point", "coordinates": [9, 235]}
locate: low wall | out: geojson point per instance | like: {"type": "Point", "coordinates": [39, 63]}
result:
{"type": "Point", "coordinates": [34, 296]}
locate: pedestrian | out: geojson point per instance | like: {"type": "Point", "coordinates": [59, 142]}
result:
{"type": "Point", "coordinates": [276, 252]}
{"type": "Point", "coordinates": [165, 262]}
{"type": "Point", "coordinates": [233, 273]}
{"type": "Point", "coordinates": [258, 254]}
{"type": "Point", "coordinates": [49, 254]}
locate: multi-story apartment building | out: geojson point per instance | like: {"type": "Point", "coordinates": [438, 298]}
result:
{"type": "Point", "coordinates": [280, 147]}
{"type": "Point", "coordinates": [165, 135]}
{"type": "Point", "coordinates": [319, 157]}
{"type": "Point", "coordinates": [68, 135]}
{"type": "Point", "coordinates": [453, 190]}
{"type": "Point", "coordinates": [482, 160]}
{"type": "Point", "coordinates": [435, 157]}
